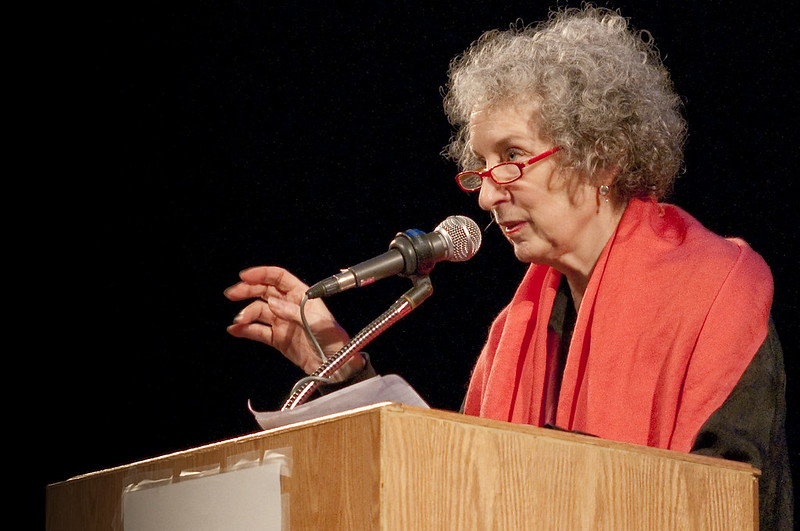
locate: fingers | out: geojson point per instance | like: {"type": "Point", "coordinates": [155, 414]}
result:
{"type": "Point", "coordinates": [256, 311]}
{"type": "Point", "coordinates": [273, 276]}
{"type": "Point", "coordinates": [284, 310]}
{"type": "Point", "coordinates": [243, 290]}
{"type": "Point", "coordinates": [269, 311]}
{"type": "Point", "coordinates": [279, 328]}
{"type": "Point", "coordinates": [254, 331]}
{"type": "Point", "coordinates": [266, 281]}
{"type": "Point", "coordinates": [274, 316]}
{"type": "Point", "coordinates": [256, 321]}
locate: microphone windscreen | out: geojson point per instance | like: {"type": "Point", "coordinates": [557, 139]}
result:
{"type": "Point", "coordinates": [463, 236]}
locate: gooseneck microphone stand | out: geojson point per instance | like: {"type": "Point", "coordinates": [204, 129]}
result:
{"type": "Point", "coordinates": [303, 389]}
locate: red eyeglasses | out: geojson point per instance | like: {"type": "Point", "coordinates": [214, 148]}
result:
{"type": "Point", "coordinates": [503, 173]}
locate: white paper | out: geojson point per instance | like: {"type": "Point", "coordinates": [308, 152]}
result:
{"type": "Point", "coordinates": [389, 388]}
{"type": "Point", "coordinates": [246, 500]}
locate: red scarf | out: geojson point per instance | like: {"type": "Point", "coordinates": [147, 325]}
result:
{"type": "Point", "coordinates": [671, 317]}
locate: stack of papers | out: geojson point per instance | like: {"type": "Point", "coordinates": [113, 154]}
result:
{"type": "Point", "coordinates": [389, 388]}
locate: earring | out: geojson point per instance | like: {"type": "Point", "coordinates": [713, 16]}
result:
{"type": "Point", "coordinates": [604, 191]}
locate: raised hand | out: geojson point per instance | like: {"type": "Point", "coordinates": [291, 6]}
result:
{"type": "Point", "coordinates": [273, 317]}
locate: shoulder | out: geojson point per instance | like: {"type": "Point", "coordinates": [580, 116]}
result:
{"type": "Point", "coordinates": [671, 234]}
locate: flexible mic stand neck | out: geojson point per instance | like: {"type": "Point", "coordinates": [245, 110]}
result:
{"type": "Point", "coordinates": [421, 290]}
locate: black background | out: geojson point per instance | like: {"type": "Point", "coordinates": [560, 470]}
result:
{"type": "Point", "coordinates": [178, 144]}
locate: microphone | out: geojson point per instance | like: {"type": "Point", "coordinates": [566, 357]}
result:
{"type": "Point", "coordinates": [413, 252]}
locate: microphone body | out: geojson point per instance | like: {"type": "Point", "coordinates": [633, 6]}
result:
{"type": "Point", "coordinates": [412, 252]}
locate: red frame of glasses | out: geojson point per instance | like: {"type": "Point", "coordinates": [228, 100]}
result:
{"type": "Point", "coordinates": [488, 173]}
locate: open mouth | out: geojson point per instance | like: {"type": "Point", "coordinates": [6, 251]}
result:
{"type": "Point", "coordinates": [511, 227]}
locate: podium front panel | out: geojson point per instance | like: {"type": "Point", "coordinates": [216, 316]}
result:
{"type": "Point", "coordinates": [395, 467]}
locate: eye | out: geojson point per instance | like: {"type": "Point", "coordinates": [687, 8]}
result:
{"type": "Point", "coordinates": [514, 155]}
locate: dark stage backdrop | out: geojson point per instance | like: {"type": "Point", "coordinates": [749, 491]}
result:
{"type": "Point", "coordinates": [183, 143]}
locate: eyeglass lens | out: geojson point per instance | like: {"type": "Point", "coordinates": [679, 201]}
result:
{"type": "Point", "coordinates": [502, 173]}
{"type": "Point", "coordinates": [506, 172]}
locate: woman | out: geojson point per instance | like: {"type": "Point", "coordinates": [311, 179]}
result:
{"type": "Point", "coordinates": [634, 322]}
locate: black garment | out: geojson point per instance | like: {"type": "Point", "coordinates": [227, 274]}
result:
{"type": "Point", "coordinates": [750, 427]}
{"type": "Point", "coordinates": [366, 372]}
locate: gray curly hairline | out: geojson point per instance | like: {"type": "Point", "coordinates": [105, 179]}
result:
{"type": "Point", "coordinates": [600, 91]}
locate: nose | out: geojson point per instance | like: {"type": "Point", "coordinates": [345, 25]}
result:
{"type": "Point", "coordinates": [491, 193]}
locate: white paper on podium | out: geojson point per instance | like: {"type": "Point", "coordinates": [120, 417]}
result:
{"type": "Point", "coordinates": [246, 500]}
{"type": "Point", "coordinates": [389, 388]}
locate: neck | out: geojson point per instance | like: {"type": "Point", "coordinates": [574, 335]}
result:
{"type": "Point", "coordinates": [578, 267]}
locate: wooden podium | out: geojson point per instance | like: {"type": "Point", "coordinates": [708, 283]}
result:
{"type": "Point", "coordinates": [397, 467]}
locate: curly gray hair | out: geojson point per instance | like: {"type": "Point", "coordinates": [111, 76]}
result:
{"type": "Point", "coordinates": [599, 89]}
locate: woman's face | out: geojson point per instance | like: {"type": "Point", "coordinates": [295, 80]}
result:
{"type": "Point", "coordinates": [550, 216]}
